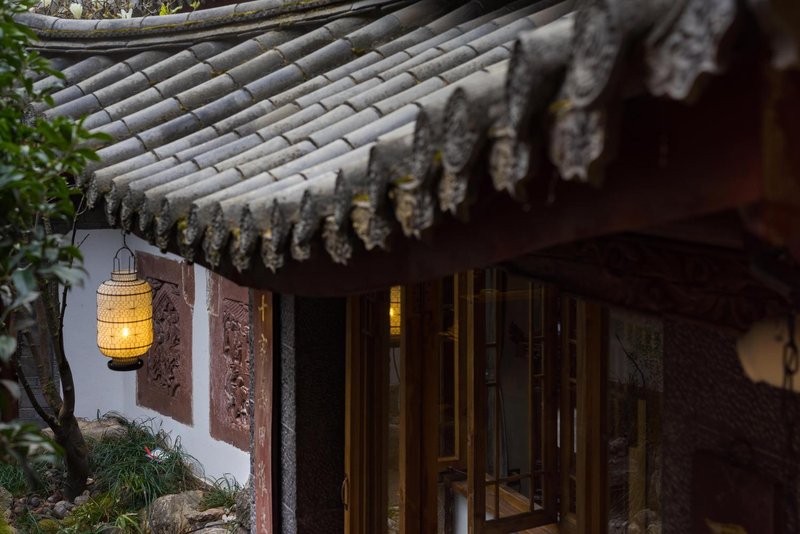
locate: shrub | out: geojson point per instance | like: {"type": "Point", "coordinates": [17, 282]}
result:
{"type": "Point", "coordinates": [123, 469]}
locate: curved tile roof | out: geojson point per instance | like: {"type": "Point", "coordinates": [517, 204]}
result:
{"type": "Point", "coordinates": [258, 146]}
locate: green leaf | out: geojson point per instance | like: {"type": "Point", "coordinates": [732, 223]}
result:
{"type": "Point", "coordinates": [12, 387]}
{"type": "Point", "coordinates": [8, 344]}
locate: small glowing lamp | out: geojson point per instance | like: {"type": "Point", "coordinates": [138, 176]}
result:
{"type": "Point", "coordinates": [762, 351]}
{"type": "Point", "coordinates": [395, 311]}
{"type": "Point", "coordinates": [124, 315]}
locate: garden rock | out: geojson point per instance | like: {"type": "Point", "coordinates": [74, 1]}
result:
{"type": "Point", "coordinates": [212, 530]}
{"type": "Point", "coordinates": [169, 514]}
{"type": "Point", "coordinates": [96, 429]}
{"type": "Point", "coordinates": [197, 519]}
{"type": "Point", "coordinates": [61, 509]}
{"type": "Point", "coordinates": [6, 500]}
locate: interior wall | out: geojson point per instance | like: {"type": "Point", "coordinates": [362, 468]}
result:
{"type": "Point", "coordinates": [714, 415]}
{"type": "Point", "coordinates": [101, 390]}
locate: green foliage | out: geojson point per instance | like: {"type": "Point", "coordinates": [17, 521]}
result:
{"type": "Point", "coordinates": [13, 479]}
{"type": "Point", "coordinates": [28, 523]}
{"type": "Point", "coordinates": [36, 153]}
{"type": "Point", "coordinates": [5, 528]}
{"type": "Point", "coordinates": [48, 526]}
{"type": "Point", "coordinates": [36, 156]}
{"type": "Point", "coordinates": [112, 9]}
{"type": "Point", "coordinates": [123, 469]}
{"type": "Point", "coordinates": [221, 494]}
{"type": "Point", "coordinates": [100, 514]}
{"type": "Point", "coordinates": [22, 444]}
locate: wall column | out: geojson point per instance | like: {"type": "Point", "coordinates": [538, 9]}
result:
{"type": "Point", "coordinates": [310, 410]}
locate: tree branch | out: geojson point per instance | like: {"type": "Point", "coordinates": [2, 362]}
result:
{"type": "Point", "coordinates": [64, 369]}
{"type": "Point", "coordinates": [46, 417]}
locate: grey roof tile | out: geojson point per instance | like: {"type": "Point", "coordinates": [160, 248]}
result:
{"type": "Point", "coordinates": [275, 82]}
{"type": "Point", "coordinates": [276, 158]}
{"type": "Point", "coordinates": [369, 133]}
{"type": "Point", "coordinates": [395, 85]}
{"type": "Point", "coordinates": [314, 157]}
{"type": "Point", "coordinates": [174, 129]}
{"type": "Point", "coordinates": [76, 72]}
{"type": "Point", "coordinates": [269, 117]}
{"type": "Point", "coordinates": [222, 107]}
{"type": "Point", "coordinates": [313, 119]}
{"type": "Point", "coordinates": [207, 92]}
{"type": "Point", "coordinates": [245, 155]}
{"type": "Point", "coordinates": [340, 97]}
{"type": "Point", "coordinates": [273, 135]}
{"type": "Point", "coordinates": [251, 70]}
{"type": "Point", "coordinates": [163, 110]}
{"type": "Point", "coordinates": [338, 129]}
{"type": "Point", "coordinates": [190, 142]}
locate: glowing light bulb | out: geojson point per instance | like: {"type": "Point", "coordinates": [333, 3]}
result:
{"type": "Point", "coordinates": [391, 312]}
{"type": "Point", "coordinates": [125, 332]}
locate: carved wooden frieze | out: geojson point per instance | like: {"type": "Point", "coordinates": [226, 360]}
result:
{"type": "Point", "coordinates": [229, 318]}
{"type": "Point", "coordinates": [164, 384]}
{"type": "Point", "coordinates": [658, 276]}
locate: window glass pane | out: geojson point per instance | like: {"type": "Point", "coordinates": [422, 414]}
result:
{"type": "Point", "coordinates": [448, 375]}
{"type": "Point", "coordinates": [635, 392]}
{"type": "Point", "coordinates": [514, 394]}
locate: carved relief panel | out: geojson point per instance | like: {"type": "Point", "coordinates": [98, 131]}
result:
{"type": "Point", "coordinates": [164, 384]}
{"type": "Point", "coordinates": [229, 318]}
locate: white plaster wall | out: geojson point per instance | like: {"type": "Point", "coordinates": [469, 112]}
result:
{"type": "Point", "coordinates": [98, 388]}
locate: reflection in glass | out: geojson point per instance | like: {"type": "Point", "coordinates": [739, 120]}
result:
{"type": "Point", "coordinates": [635, 390]}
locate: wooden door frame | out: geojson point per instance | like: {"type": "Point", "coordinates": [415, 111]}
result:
{"type": "Point", "coordinates": [366, 414]}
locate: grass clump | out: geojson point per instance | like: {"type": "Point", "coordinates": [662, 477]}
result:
{"type": "Point", "coordinates": [13, 479]}
{"type": "Point", "coordinates": [103, 513]}
{"type": "Point", "coordinates": [221, 493]}
{"type": "Point", "coordinates": [125, 471]}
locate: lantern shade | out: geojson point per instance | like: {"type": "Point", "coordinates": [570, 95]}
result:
{"type": "Point", "coordinates": [124, 319]}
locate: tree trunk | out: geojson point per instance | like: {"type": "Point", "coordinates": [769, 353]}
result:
{"type": "Point", "coordinates": [76, 456]}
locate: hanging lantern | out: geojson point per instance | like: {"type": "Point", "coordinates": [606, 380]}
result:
{"type": "Point", "coordinates": [124, 315]}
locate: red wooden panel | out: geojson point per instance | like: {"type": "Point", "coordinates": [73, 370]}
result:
{"type": "Point", "coordinates": [262, 417]}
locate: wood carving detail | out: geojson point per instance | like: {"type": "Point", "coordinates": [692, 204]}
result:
{"type": "Point", "coordinates": [230, 365]}
{"type": "Point", "coordinates": [659, 277]}
{"type": "Point", "coordinates": [236, 350]}
{"type": "Point", "coordinates": [163, 364]}
{"type": "Point", "coordinates": [164, 383]}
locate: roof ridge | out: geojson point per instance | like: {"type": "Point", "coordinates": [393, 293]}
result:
{"type": "Point", "coordinates": [180, 29]}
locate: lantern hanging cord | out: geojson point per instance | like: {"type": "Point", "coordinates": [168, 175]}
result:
{"type": "Point", "coordinates": [131, 257]}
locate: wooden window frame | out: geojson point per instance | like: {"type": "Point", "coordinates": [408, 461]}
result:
{"type": "Point", "coordinates": [366, 437]}
{"type": "Point", "coordinates": [476, 408]}
{"type": "Point", "coordinates": [592, 374]}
